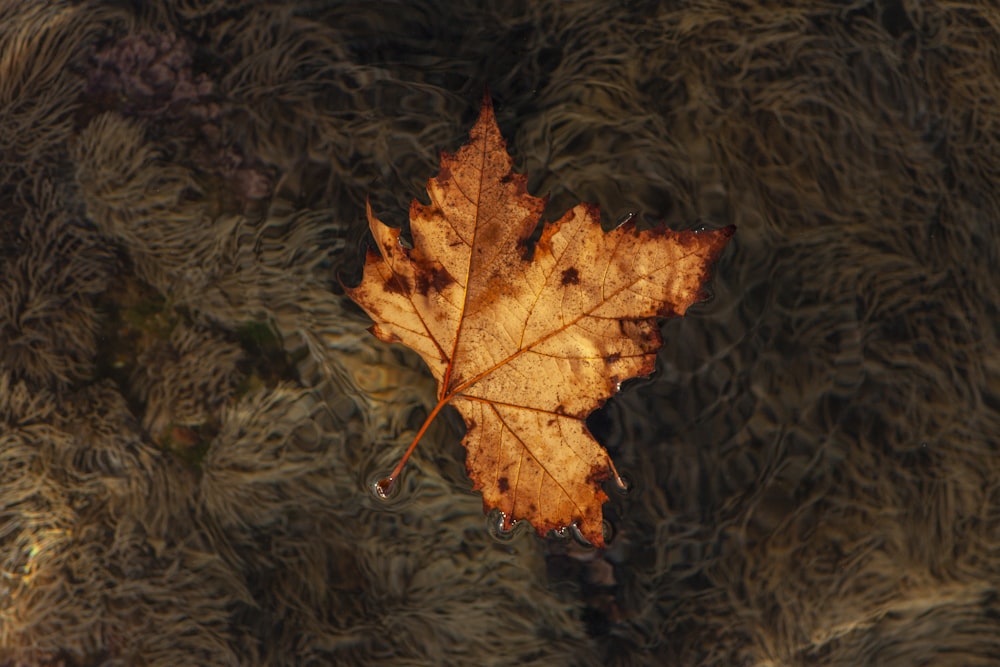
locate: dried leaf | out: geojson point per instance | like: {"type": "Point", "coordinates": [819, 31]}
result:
{"type": "Point", "coordinates": [527, 342]}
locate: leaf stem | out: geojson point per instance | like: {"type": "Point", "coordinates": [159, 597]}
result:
{"type": "Point", "coordinates": [386, 484]}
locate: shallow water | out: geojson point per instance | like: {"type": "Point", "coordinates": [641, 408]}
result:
{"type": "Point", "coordinates": [192, 414]}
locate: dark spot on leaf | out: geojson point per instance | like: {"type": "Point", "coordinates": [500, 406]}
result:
{"type": "Point", "coordinates": [570, 276]}
{"type": "Point", "coordinates": [445, 174]}
{"type": "Point", "coordinates": [598, 474]}
{"type": "Point", "coordinates": [560, 409]}
{"type": "Point", "coordinates": [383, 334]}
{"type": "Point", "coordinates": [503, 484]}
{"type": "Point", "coordinates": [612, 358]}
{"type": "Point", "coordinates": [436, 277]}
{"type": "Point", "coordinates": [666, 310]}
{"type": "Point", "coordinates": [397, 285]}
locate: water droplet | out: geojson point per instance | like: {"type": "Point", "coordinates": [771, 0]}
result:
{"type": "Point", "coordinates": [385, 488]}
{"type": "Point", "coordinates": [628, 216]}
{"type": "Point", "coordinates": [574, 531]}
{"type": "Point", "coordinates": [496, 520]}
{"type": "Point", "coordinates": [623, 484]}
{"type": "Point", "coordinates": [390, 494]}
{"type": "Point", "coordinates": [608, 529]}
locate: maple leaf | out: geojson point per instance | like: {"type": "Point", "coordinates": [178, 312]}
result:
{"type": "Point", "coordinates": [527, 342]}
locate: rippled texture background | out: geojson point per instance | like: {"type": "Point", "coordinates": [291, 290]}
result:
{"type": "Point", "coordinates": [191, 413]}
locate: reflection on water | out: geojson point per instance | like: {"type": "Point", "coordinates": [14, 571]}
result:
{"type": "Point", "coordinates": [192, 418]}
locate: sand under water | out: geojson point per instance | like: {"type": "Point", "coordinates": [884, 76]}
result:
{"type": "Point", "coordinates": [191, 413]}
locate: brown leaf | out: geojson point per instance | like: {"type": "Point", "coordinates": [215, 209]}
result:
{"type": "Point", "coordinates": [527, 344]}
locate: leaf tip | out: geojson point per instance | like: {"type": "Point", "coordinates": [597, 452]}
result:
{"type": "Point", "coordinates": [487, 117]}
